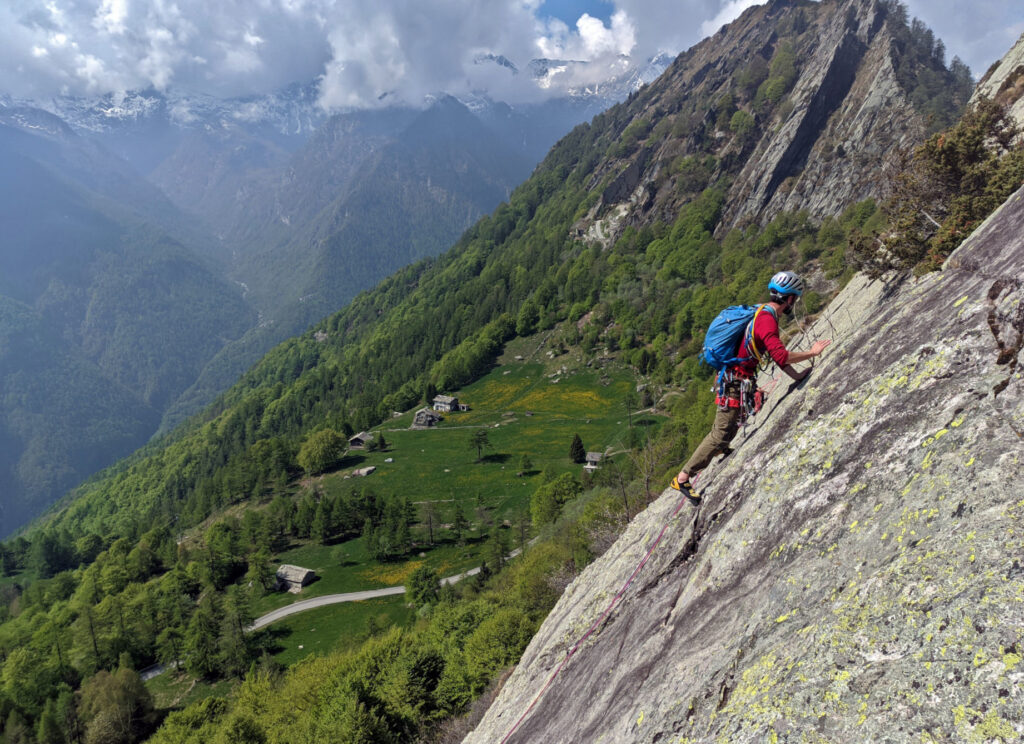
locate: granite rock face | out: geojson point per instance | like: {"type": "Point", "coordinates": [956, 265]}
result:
{"type": "Point", "coordinates": [1005, 82]}
{"type": "Point", "coordinates": [856, 572]}
{"type": "Point", "coordinates": [827, 142]}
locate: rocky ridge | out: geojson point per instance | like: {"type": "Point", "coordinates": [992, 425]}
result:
{"type": "Point", "coordinates": [1005, 82]}
{"type": "Point", "coordinates": [848, 113]}
{"type": "Point", "coordinates": [820, 144]}
{"type": "Point", "coordinates": [855, 572]}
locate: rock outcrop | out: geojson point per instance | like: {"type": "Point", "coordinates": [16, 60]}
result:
{"type": "Point", "coordinates": [1005, 82]}
{"type": "Point", "coordinates": [849, 114]}
{"type": "Point", "coordinates": [856, 572]}
{"type": "Point", "coordinates": [799, 106]}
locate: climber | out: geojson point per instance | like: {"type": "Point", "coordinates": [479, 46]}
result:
{"type": "Point", "coordinates": [738, 380]}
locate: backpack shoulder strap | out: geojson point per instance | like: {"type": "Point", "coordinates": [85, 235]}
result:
{"type": "Point", "coordinates": [750, 331]}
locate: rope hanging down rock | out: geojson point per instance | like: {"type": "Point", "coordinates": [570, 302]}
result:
{"type": "Point", "coordinates": [604, 615]}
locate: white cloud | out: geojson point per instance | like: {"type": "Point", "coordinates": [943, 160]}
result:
{"type": "Point", "coordinates": [93, 72]}
{"type": "Point", "coordinates": [732, 10]}
{"type": "Point", "coordinates": [111, 16]}
{"type": "Point", "coordinates": [591, 39]}
{"type": "Point", "coordinates": [362, 50]}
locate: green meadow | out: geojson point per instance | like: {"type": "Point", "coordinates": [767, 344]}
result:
{"type": "Point", "coordinates": [335, 627]}
{"type": "Point", "coordinates": [528, 404]}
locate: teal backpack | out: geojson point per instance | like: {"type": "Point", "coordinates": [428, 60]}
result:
{"type": "Point", "coordinates": [731, 328]}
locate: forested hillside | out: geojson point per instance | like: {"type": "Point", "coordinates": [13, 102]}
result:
{"type": "Point", "coordinates": [649, 289]}
{"type": "Point", "coordinates": [108, 316]}
{"type": "Point", "coordinates": [157, 558]}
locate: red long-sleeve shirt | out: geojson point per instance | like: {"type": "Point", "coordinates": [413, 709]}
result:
{"type": "Point", "coordinates": [766, 337]}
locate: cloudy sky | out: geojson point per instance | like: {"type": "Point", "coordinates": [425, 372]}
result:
{"type": "Point", "coordinates": [362, 50]}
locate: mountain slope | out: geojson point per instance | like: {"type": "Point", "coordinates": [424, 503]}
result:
{"type": "Point", "coordinates": [62, 417]}
{"type": "Point", "coordinates": [369, 193]}
{"type": "Point", "coordinates": [854, 572]}
{"type": "Point", "coordinates": [93, 257]}
{"type": "Point", "coordinates": [528, 265]}
{"type": "Point", "coordinates": [798, 104]}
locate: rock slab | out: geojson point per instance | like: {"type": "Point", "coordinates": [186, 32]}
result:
{"type": "Point", "coordinates": [856, 573]}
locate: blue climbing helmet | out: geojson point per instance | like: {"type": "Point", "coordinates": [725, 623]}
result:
{"type": "Point", "coordinates": [785, 284]}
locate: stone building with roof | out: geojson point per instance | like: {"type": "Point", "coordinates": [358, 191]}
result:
{"type": "Point", "coordinates": [293, 578]}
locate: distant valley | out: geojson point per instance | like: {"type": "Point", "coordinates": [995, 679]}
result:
{"type": "Point", "coordinates": [156, 246]}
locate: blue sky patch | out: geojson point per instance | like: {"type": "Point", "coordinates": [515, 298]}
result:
{"type": "Point", "coordinates": [570, 10]}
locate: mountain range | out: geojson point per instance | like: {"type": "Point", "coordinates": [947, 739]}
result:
{"type": "Point", "coordinates": [258, 215]}
{"type": "Point", "coordinates": [852, 570]}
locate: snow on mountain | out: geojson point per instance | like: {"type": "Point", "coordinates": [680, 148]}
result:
{"type": "Point", "coordinates": [293, 111]}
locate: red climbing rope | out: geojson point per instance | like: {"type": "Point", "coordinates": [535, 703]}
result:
{"type": "Point", "coordinates": [597, 623]}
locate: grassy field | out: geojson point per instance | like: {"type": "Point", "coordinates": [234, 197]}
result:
{"type": "Point", "coordinates": [346, 567]}
{"type": "Point", "coordinates": [335, 627]}
{"type": "Point", "coordinates": [525, 411]}
{"type": "Point", "coordinates": [529, 404]}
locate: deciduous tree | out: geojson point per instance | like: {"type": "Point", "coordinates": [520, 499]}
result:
{"type": "Point", "coordinates": [320, 451]}
{"type": "Point", "coordinates": [422, 587]}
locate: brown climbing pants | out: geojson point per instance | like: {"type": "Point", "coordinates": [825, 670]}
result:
{"type": "Point", "coordinates": [727, 423]}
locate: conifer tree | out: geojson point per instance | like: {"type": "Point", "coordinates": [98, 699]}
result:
{"type": "Point", "coordinates": [169, 645]}
{"type": "Point", "coordinates": [201, 650]}
{"type": "Point", "coordinates": [16, 731]}
{"type": "Point", "coordinates": [576, 450]}
{"type": "Point", "coordinates": [459, 525]}
{"type": "Point", "coordinates": [320, 529]}
{"type": "Point", "coordinates": [261, 574]}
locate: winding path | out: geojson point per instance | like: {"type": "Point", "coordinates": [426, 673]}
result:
{"type": "Point", "coordinates": [329, 599]}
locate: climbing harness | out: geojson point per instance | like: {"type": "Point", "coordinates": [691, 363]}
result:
{"type": "Point", "coordinates": [748, 342]}
{"type": "Point", "coordinates": [600, 620]}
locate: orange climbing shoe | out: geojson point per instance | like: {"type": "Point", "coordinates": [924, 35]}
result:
{"type": "Point", "coordinates": [685, 488]}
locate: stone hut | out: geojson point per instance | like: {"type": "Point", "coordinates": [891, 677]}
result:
{"type": "Point", "coordinates": [425, 418]}
{"type": "Point", "coordinates": [293, 578]}
{"type": "Point", "coordinates": [446, 403]}
{"type": "Point", "coordinates": [360, 440]}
